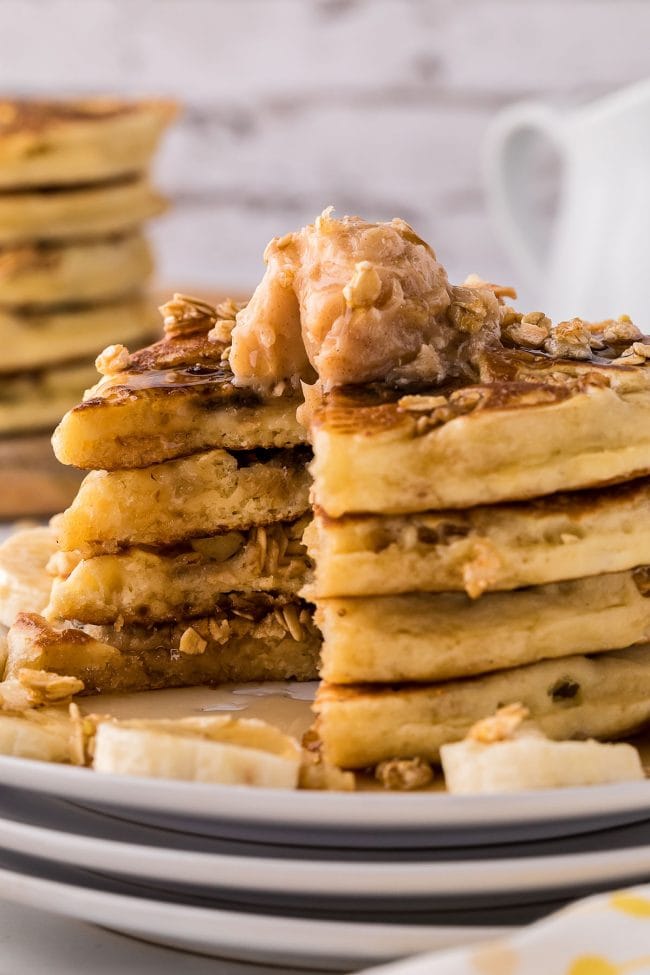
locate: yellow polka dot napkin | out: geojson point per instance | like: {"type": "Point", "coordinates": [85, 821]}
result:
{"type": "Point", "coordinates": [604, 935]}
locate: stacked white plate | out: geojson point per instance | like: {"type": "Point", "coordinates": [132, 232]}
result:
{"type": "Point", "coordinates": [328, 880]}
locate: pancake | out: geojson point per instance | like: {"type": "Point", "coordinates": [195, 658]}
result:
{"type": "Point", "coordinates": [172, 399]}
{"type": "Point", "coordinates": [607, 696]}
{"type": "Point", "coordinates": [555, 426]}
{"type": "Point", "coordinates": [247, 638]}
{"type": "Point", "coordinates": [47, 142]}
{"type": "Point", "coordinates": [32, 482]}
{"type": "Point", "coordinates": [84, 212]}
{"type": "Point", "coordinates": [35, 275]}
{"type": "Point", "coordinates": [564, 536]}
{"type": "Point", "coordinates": [191, 497]}
{"type": "Point", "coordinates": [32, 402]}
{"type": "Point", "coordinates": [41, 339]}
{"type": "Point", "coordinates": [440, 636]}
{"type": "Point", "coordinates": [143, 585]}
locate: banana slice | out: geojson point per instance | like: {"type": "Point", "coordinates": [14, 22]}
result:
{"type": "Point", "coordinates": [24, 582]}
{"type": "Point", "coordinates": [45, 734]}
{"type": "Point", "coordinates": [507, 753]}
{"type": "Point", "coordinates": [207, 749]}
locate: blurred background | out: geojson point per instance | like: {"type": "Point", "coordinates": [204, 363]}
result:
{"type": "Point", "coordinates": [377, 106]}
{"type": "Point", "coordinates": [382, 108]}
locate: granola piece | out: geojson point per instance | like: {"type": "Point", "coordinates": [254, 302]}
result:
{"type": "Point", "coordinates": [404, 774]}
{"type": "Point", "coordinates": [500, 726]}
{"type": "Point", "coordinates": [569, 340]}
{"type": "Point", "coordinates": [44, 687]}
{"type": "Point", "coordinates": [227, 311]}
{"type": "Point", "coordinates": [620, 330]}
{"type": "Point", "coordinates": [184, 315]}
{"type": "Point", "coordinates": [481, 572]}
{"type": "Point", "coordinates": [364, 287]}
{"type": "Point", "coordinates": [636, 355]}
{"type": "Point", "coordinates": [192, 643]}
{"type": "Point", "coordinates": [530, 331]}
{"type": "Point", "coordinates": [292, 622]}
{"type": "Point", "coordinates": [114, 359]}
{"type": "Point", "coordinates": [509, 316]}
{"type": "Point", "coordinates": [474, 311]}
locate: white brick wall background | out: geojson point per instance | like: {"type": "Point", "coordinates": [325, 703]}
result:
{"type": "Point", "coordinates": [377, 106]}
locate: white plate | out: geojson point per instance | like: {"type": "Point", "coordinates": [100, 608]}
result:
{"type": "Point", "coordinates": [363, 819]}
{"type": "Point", "coordinates": [247, 936]}
{"type": "Point", "coordinates": [244, 811]}
{"type": "Point", "coordinates": [316, 878]}
{"type": "Point", "coordinates": [313, 818]}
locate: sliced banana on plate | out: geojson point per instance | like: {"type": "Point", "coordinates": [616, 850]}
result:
{"type": "Point", "coordinates": [507, 753]}
{"type": "Point", "coordinates": [25, 583]}
{"type": "Point", "coordinates": [44, 734]}
{"type": "Point", "coordinates": [215, 749]}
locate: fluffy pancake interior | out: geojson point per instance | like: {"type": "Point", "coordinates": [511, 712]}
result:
{"type": "Point", "coordinates": [482, 549]}
{"type": "Point", "coordinates": [576, 697]}
{"type": "Point", "coordinates": [439, 636]}
{"type": "Point", "coordinates": [145, 584]}
{"type": "Point", "coordinates": [186, 498]}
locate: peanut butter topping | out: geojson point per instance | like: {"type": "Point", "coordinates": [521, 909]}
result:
{"type": "Point", "coordinates": [353, 302]}
{"type": "Point", "coordinates": [347, 302]}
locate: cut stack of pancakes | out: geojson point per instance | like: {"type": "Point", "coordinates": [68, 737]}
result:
{"type": "Point", "coordinates": [482, 544]}
{"type": "Point", "coordinates": [477, 541]}
{"type": "Point", "coordinates": [74, 264]}
{"type": "Point", "coordinates": [180, 560]}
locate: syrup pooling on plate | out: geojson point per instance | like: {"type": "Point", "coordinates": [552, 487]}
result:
{"type": "Point", "coordinates": [285, 705]}
{"type": "Point", "coordinates": [303, 691]}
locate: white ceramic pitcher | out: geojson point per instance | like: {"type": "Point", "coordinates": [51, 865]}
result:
{"type": "Point", "coordinates": [596, 261]}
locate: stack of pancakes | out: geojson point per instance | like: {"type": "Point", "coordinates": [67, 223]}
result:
{"type": "Point", "coordinates": [180, 559]}
{"type": "Point", "coordinates": [478, 544]}
{"type": "Point", "coordinates": [74, 194]}
{"type": "Point", "coordinates": [478, 539]}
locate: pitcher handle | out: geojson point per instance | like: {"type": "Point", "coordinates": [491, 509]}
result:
{"type": "Point", "coordinates": [508, 186]}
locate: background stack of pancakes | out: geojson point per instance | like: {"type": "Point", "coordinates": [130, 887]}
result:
{"type": "Point", "coordinates": [74, 194]}
{"type": "Point", "coordinates": [181, 557]}
{"type": "Point", "coordinates": [453, 578]}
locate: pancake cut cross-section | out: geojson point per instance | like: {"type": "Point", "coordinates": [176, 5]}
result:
{"type": "Point", "coordinates": [181, 563]}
